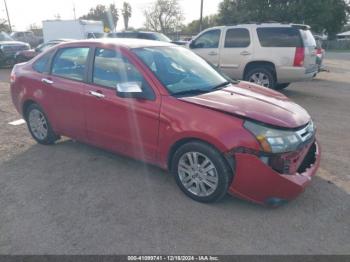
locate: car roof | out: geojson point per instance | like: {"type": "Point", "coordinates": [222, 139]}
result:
{"type": "Point", "coordinates": [258, 25]}
{"type": "Point", "coordinates": [129, 43]}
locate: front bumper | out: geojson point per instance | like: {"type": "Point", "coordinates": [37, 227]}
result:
{"type": "Point", "coordinates": [256, 181]}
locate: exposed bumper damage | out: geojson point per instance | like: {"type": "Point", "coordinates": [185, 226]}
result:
{"type": "Point", "coordinates": [257, 181]}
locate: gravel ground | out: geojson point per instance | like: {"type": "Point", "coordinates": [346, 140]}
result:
{"type": "Point", "coordinates": [75, 199]}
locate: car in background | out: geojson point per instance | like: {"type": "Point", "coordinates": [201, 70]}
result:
{"type": "Point", "coordinates": [270, 54]}
{"type": "Point", "coordinates": [8, 49]}
{"type": "Point", "coordinates": [27, 37]}
{"type": "Point", "coordinates": [152, 100]}
{"type": "Point", "coordinates": [320, 53]}
{"type": "Point", "coordinates": [141, 35]}
{"type": "Point", "coordinates": [26, 55]}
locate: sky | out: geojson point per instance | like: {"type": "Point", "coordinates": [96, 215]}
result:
{"type": "Point", "coordinates": [23, 13]}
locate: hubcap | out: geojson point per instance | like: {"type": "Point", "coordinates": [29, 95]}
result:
{"type": "Point", "coordinates": [198, 174]}
{"type": "Point", "coordinates": [38, 124]}
{"type": "Point", "coordinates": [260, 79]}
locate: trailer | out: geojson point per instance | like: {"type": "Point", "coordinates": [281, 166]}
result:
{"type": "Point", "coordinates": [72, 29]}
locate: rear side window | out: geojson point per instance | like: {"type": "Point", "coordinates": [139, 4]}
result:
{"type": "Point", "coordinates": [237, 38]}
{"type": "Point", "coordinates": [71, 63]}
{"type": "Point", "coordinates": [42, 64]}
{"type": "Point", "coordinates": [308, 38]}
{"type": "Point", "coordinates": [279, 37]}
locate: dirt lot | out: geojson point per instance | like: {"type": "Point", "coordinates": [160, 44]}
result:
{"type": "Point", "coordinates": [75, 199]}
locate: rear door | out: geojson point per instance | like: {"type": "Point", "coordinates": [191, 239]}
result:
{"type": "Point", "coordinates": [207, 45]}
{"type": "Point", "coordinates": [66, 96]}
{"type": "Point", "coordinates": [236, 52]}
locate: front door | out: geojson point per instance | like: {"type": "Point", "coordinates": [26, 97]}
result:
{"type": "Point", "coordinates": [125, 125]}
{"type": "Point", "coordinates": [207, 46]}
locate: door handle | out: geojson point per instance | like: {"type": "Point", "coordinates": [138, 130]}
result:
{"type": "Point", "coordinates": [245, 53]}
{"type": "Point", "coordinates": [213, 53]}
{"type": "Point", "coordinates": [47, 81]}
{"type": "Point", "coordinates": [97, 94]}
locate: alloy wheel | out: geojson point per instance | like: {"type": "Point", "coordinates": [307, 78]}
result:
{"type": "Point", "coordinates": [38, 124]}
{"type": "Point", "coordinates": [198, 174]}
{"type": "Point", "coordinates": [260, 78]}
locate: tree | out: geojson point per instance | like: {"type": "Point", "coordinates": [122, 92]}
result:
{"type": "Point", "coordinates": [4, 26]}
{"type": "Point", "coordinates": [193, 27]}
{"type": "Point", "coordinates": [127, 11]}
{"type": "Point", "coordinates": [322, 15]}
{"type": "Point", "coordinates": [108, 15]}
{"type": "Point", "coordinates": [164, 16]}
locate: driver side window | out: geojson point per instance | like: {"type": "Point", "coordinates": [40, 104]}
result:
{"type": "Point", "coordinates": [112, 68]}
{"type": "Point", "coordinates": [210, 39]}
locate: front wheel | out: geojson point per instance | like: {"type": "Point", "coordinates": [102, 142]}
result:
{"type": "Point", "coordinates": [201, 172]}
{"type": "Point", "coordinates": [39, 125]}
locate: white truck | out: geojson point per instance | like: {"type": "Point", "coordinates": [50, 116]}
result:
{"type": "Point", "coordinates": [72, 29]}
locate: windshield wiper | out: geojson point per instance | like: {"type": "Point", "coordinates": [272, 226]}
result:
{"type": "Point", "coordinates": [222, 85]}
{"type": "Point", "coordinates": [191, 92]}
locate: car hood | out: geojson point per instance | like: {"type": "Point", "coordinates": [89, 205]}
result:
{"type": "Point", "coordinates": [254, 102]}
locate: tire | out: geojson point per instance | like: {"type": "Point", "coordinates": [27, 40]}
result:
{"type": "Point", "coordinates": [263, 76]}
{"type": "Point", "coordinates": [215, 181]}
{"type": "Point", "coordinates": [39, 125]}
{"type": "Point", "coordinates": [282, 86]}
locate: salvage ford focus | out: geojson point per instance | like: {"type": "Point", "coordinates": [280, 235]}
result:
{"type": "Point", "coordinates": [164, 105]}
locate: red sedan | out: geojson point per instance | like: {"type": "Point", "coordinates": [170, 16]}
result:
{"type": "Point", "coordinates": [164, 105]}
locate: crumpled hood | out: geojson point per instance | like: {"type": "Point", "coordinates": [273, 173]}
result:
{"type": "Point", "coordinates": [251, 101]}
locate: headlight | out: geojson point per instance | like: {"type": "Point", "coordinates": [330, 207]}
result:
{"type": "Point", "coordinates": [274, 140]}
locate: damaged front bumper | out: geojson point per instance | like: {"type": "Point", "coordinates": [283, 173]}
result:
{"type": "Point", "coordinates": [258, 182]}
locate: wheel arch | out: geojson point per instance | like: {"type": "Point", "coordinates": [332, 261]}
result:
{"type": "Point", "coordinates": [260, 63]}
{"type": "Point", "coordinates": [26, 105]}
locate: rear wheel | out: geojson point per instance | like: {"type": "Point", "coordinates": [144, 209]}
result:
{"type": "Point", "coordinates": [262, 76]}
{"type": "Point", "coordinates": [201, 172]}
{"type": "Point", "coordinates": [39, 125]}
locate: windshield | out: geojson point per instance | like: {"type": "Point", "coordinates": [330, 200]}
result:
{"type": "Point", "coordinates": [180, 70]}
{"type": "Point", "coordinates": [5, 37]}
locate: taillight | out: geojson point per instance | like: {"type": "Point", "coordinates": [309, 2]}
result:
{"type": "Point", "coordinates": [12, 77]}
{"type": "Point", "coordinates": [299, 57]}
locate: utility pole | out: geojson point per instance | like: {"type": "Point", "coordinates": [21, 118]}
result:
{"type": "Point", "coordinates": [201, 19]}
{"type": "Point", "coordinates": [74, 12]}
{"type": "Point", "coordinates": [8, 16]}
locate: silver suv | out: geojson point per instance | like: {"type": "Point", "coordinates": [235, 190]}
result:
{"type": "Point", "coordinates": [272, 55]}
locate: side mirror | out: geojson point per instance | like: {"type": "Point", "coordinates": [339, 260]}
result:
{"type": "Point", "coordinates": [130, 90]}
